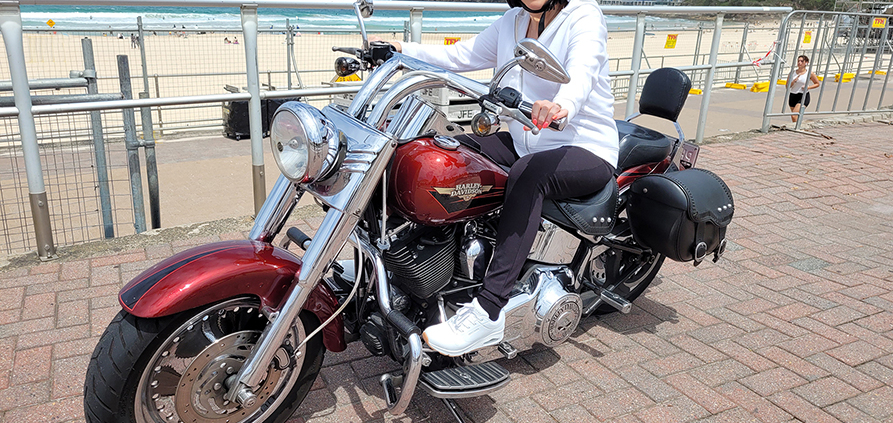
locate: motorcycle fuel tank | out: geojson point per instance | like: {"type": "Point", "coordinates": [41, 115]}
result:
{"type": "Point", "coordinates": [434, 183]}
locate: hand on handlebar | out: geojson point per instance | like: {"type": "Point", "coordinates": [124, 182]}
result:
{"type": "Point", "coordinates": [543, 112]}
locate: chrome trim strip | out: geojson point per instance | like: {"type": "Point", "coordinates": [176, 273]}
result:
{"type": "Point", "coordinates": [464, 394]}
{"type": "Point", "coordinates": [272, 215]}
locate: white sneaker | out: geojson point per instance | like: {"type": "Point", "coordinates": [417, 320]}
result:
{"type": "Point", "coordinates": [469, 329]}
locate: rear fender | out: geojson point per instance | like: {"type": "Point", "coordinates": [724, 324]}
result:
{"type": "Point", "coordinates": [222, 270]}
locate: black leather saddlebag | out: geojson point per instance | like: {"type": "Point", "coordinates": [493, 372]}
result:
{"type": "Point", "coordinates": [682, 215]}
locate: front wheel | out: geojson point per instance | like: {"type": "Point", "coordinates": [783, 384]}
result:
{"type": "Point", "coordinates": [177, 368]}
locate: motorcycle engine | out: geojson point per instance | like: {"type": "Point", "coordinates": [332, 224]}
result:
{"type": "Point", "coordinates": [423, 261]}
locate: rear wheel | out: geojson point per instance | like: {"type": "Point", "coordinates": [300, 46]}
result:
{"type": "Point", "coordinates": [637, 271]}
{"type": "Point", "coordinates": [177, 368]}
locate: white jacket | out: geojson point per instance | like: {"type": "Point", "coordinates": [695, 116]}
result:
{"type": "Point", "coordinates": [580, 27]}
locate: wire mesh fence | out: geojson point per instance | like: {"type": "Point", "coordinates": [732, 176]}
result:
{"type": "Point", "coordinates": [70, 175]}
{"type": "Point", "coordinates": [193, 62]}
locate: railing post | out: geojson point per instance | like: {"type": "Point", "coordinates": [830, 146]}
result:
{"type": "Point", "coordinates": [255, 124]}
{"type": "Point", "coordinates": [697, 57]}
{"type": "Point", "coordinates": [636, 65]}
{"type": "Point", "coordinates": [102, 173]}
{"type": "Point", "coordinates": [708, 85]}
{"type": "Point", "coordinates": [780, 46]}
{"type": "Point", "coordinates": [145, 112]}
{"type": "Point", "coordinates": [849, 105]}
{"type": "Point", "coordinates": [158, 95]}
{"type": "Point", "coordinates": [11, 28]}
{"type": "Point", "coordinates": [879, 53]}
{"type": "Point", "coordinates": [741, 53]}
{"type": "Point", "coordinates": [289, 44]}
{"type": "Point", "coordinates": [132, 145]}
{"type": "Point", "coordinates": [415, 24]}
{"type": "Point", "coordinates": [846, 58]}
{"type": "Point", "coordinates": [809, 70]}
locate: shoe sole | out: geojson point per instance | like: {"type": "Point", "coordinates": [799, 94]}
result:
{"type": "Point", "coordinates": [474, 347]}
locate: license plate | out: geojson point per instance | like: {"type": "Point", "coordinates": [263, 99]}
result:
{"type": "Point", "coordinates": [689, 155]}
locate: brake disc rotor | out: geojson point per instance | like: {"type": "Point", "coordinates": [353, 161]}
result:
{"type": "Point", "coordinates": [200, 393]}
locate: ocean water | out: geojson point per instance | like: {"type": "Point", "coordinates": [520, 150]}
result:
{"type": "Point", "coordinates": [115, 18]}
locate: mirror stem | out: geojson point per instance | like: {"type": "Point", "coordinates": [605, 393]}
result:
{"type": "Point", "coordinates": [494, 83]}
{"type": "Point", "coordinates": [356, 7]}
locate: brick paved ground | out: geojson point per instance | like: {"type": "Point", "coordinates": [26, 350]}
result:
{"type": "Point", "coordinates": [795, 324]}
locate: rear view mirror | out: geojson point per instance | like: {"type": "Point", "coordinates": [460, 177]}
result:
{"type": "Point", "coordinates": [538, 60]}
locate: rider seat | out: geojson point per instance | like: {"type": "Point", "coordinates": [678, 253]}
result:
{"type": "Point", "coordinates": [663, 95]}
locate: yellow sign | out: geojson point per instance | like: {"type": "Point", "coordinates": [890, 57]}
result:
{"type": "Point", "coordinates": [807, 38]}
{"type": "Point", "coordinates": [671, 40]}
{"type": "Point", "coordinates": [450, 40]}
{"type": "Point", "coordinates": [51, 23]}
{"type": "Point", "coordinates": [349, 78]}
{"type": "Point", "coordinates": [879, 23]}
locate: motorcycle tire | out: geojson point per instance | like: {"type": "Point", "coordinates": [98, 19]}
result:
{"type": "Point", "coordinates": [155, 370]}
{"type": "Point", "coordinates": [630, 263]}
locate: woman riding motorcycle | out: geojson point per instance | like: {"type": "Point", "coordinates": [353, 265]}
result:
{"type": "Point", "coordinates": [575, 162]}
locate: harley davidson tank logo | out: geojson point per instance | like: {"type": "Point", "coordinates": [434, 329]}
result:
{"type": "Point", "coordinates": [464, 191]}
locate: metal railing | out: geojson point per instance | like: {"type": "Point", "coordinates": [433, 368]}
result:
{"type": "Point", "coordinates": [704, 67]}
{"type": "Point", "coordinates": [844, 48]}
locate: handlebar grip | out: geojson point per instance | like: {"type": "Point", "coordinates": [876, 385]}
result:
{"type": "Point", "coordinates": [557, 125]}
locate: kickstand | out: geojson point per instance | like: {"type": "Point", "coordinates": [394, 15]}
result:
{"type": "Point", "coordinates": [454, 408]}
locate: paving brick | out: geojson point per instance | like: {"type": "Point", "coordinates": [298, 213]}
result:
{"type": "Point", "coordinates": [40, 305]}
{"type": "Point", "coordinates": [50, 412]}
{"type": "Point", "coordinates": [855, 353]}
{"type": "Point", "coordinates": [800, 408]}
{"type": "Point", "coordinates": [652, 386]}
{"type": "Point", "coordinates": [75, 270]}
{"type": "Point", "coordinates": [12, 298]}
{"type": "Point", "coordinates": [31, 365]}
{"type": "Point", "coordinates": [702, 394]}
{"type": "Point", "coordinates": [827, 391]}
{"type": "Point", "coordinates": [672, 364]}
{"type": "Point", "coordinates": [771, 381]}
{"type": "Point", "coordinates": [566, 395]}
{"type": "Point", "coordinates": [759, 407]}
{"type": "Point", "coordinates": [599, 375]}
{"type": "Point", "coordinates": [68, 376]}
{"type": "Point", "coordinates": [796, 364]}
{"type": "Point", "coordinates": [744, 356]}
{"type": "Point", "coordinates": [875, 403]}
{"type": "Point", "coordinates": [614, 404]}
{"type": "Point", "coordinates": [848, 374]}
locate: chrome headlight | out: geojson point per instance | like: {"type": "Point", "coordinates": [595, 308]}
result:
{"type": "Point", "coordinates": [305, 144]}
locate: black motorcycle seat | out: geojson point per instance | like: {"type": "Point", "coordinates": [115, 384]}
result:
{"type": "Point", "coordinates": [639, 145]}
{"type": "Point", "coordinates": [593, 215]}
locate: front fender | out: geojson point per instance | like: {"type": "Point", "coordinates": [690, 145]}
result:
{"type": "Point", "coordinates": [222, 270]}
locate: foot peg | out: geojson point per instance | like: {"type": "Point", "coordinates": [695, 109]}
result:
{"type": "Point", "coordinates": [507, 350]}
{"type": "Point", "coordinates": [466, 381]}
{"type": "Point", "coordinates": [616, 301]}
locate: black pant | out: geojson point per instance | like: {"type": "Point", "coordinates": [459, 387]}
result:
{"type": "Point", "coordinates": [563, 172]}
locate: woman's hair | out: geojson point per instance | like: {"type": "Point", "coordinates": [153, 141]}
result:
{"type": "Point", "coordinates": [548, 6]}
{"type": "Point", "coordinates": [804, 57]}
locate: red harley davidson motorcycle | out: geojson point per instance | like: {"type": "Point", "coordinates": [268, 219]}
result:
{"type": "Point", "coordinates": [236, 331]}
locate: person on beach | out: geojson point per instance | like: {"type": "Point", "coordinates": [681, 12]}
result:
{"type": "Point", "coordinates": [577, 161]}
{"type": "Point", "coordinates": [797, 83]}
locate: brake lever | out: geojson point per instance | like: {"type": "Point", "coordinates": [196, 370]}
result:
{"type": "Point", "coordinates": [358, 52]}
{"type": "Point", "coordinates": [519, 116]}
